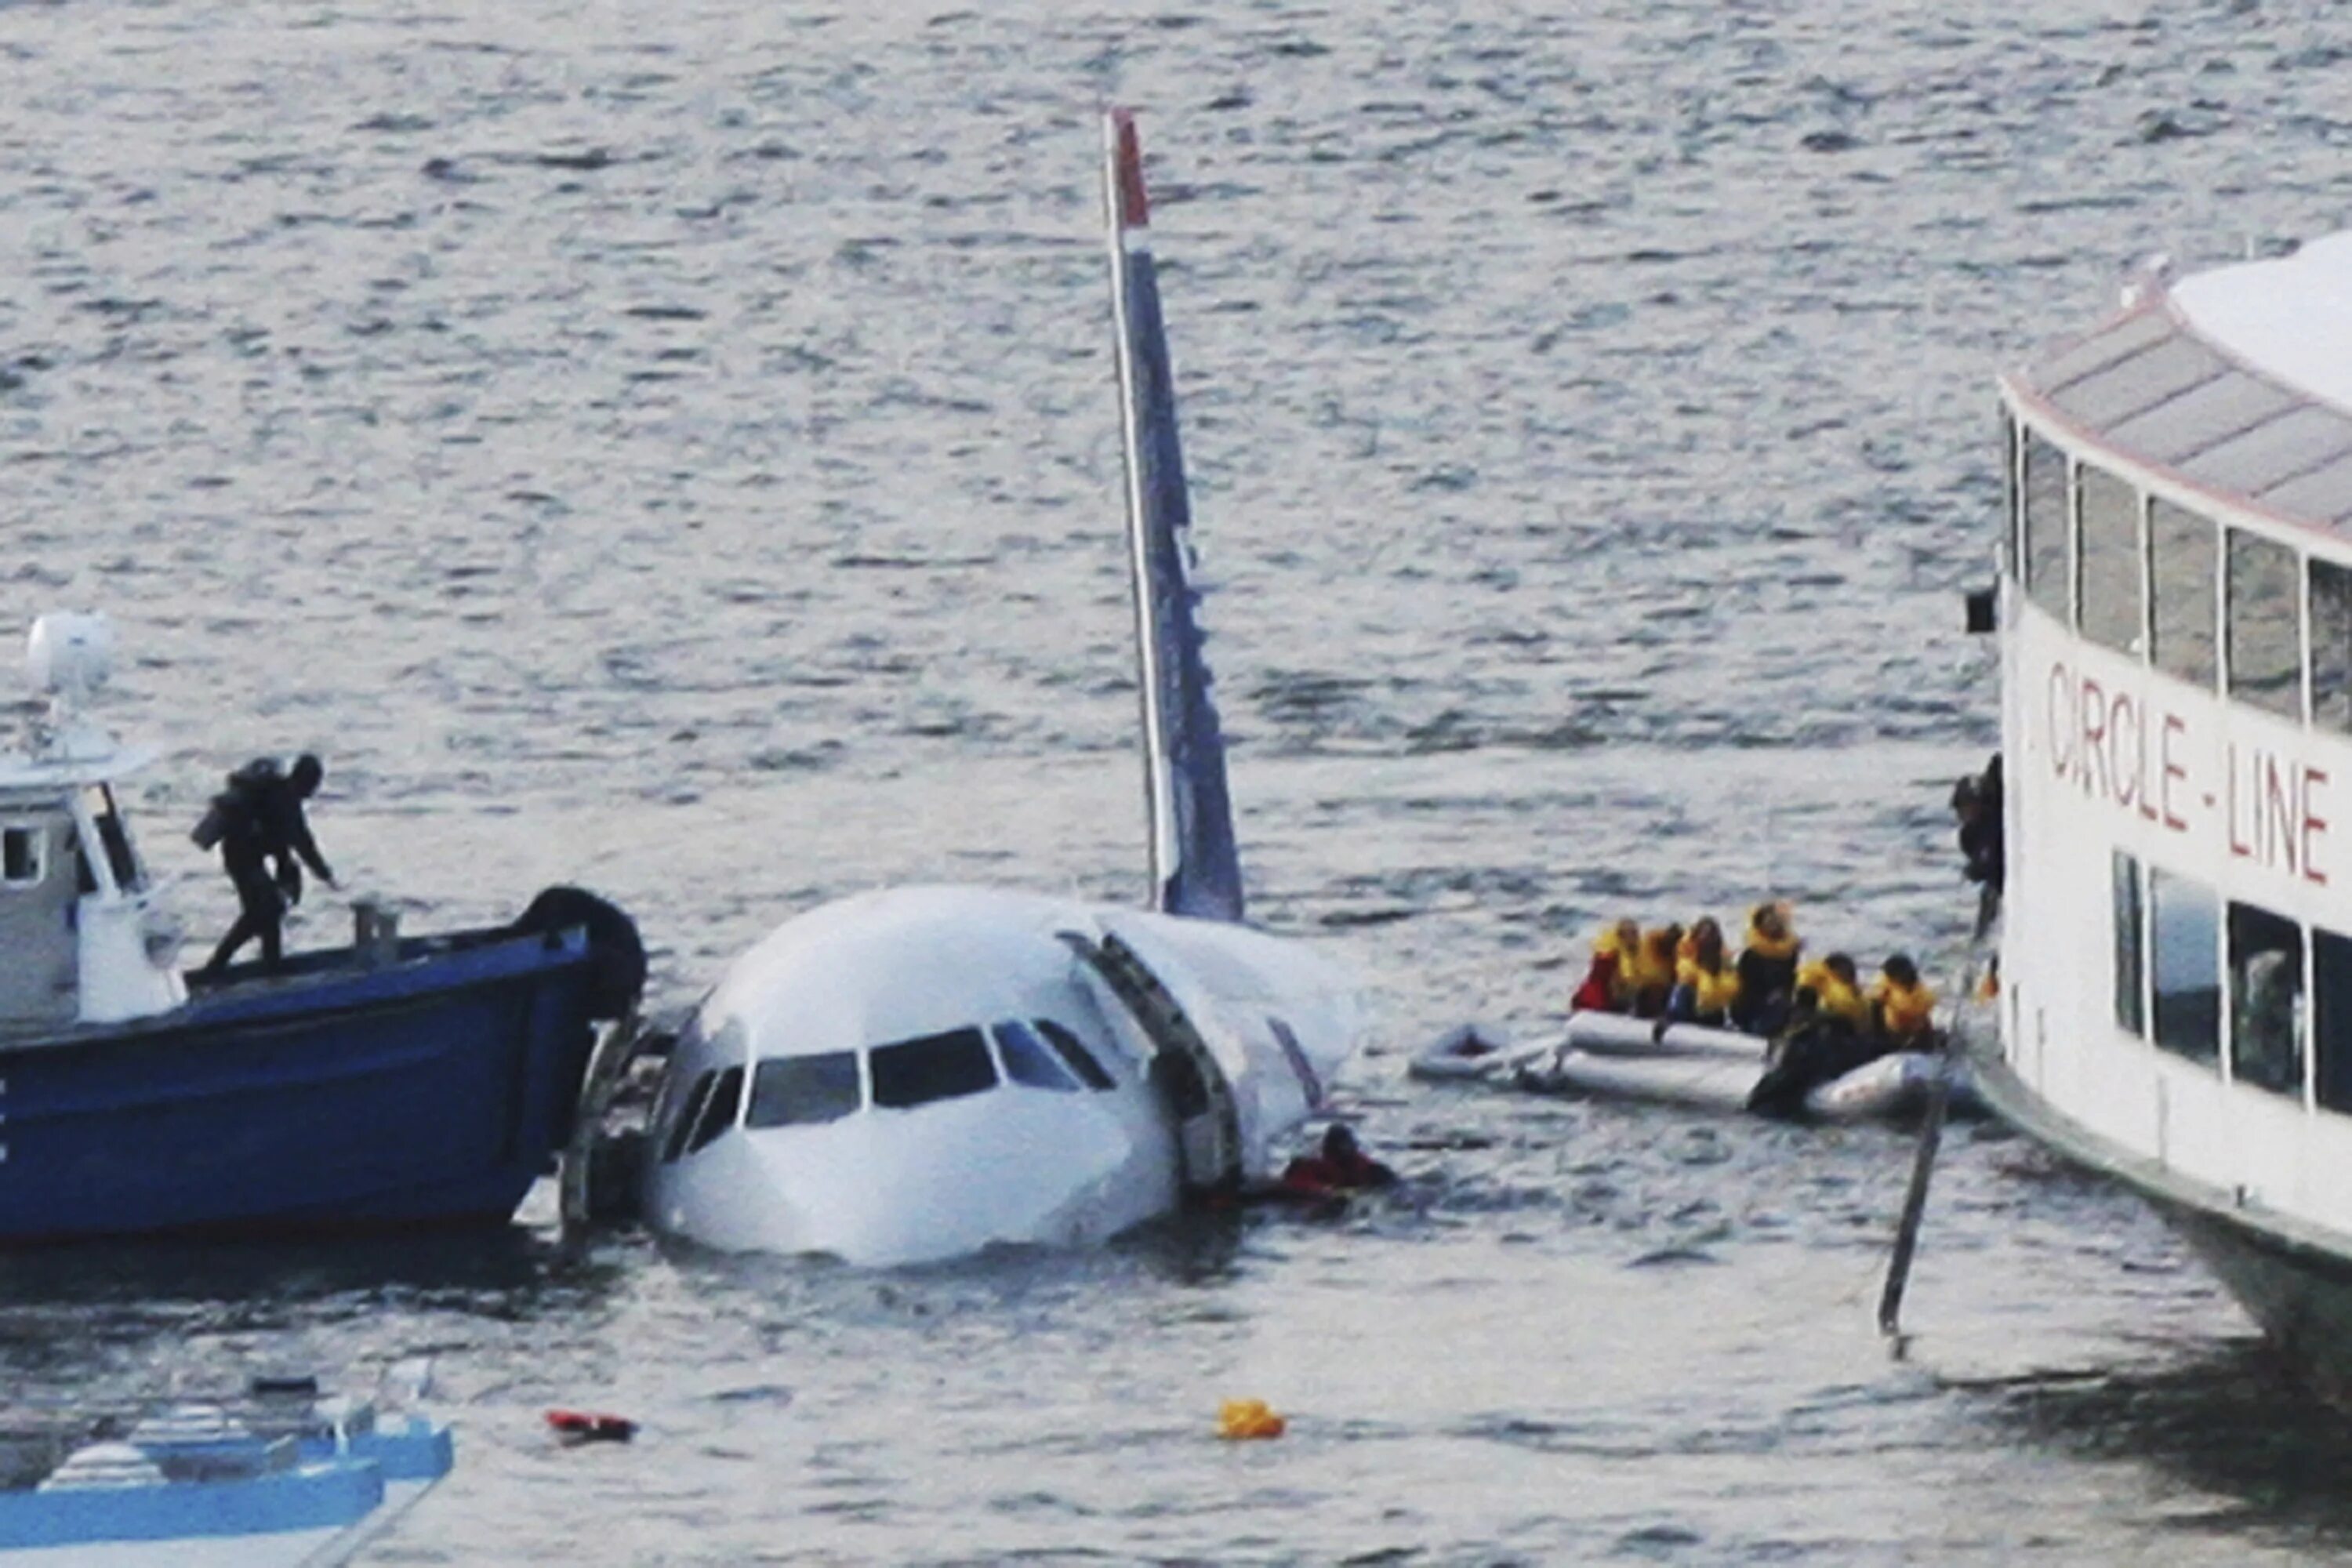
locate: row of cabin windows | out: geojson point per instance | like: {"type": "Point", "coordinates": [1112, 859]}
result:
{"type": "Point", "coordinates": [2219, 607]}
{"type": "Point", "coordinates": [804, 1090]}
{"type": "Point", "coordinates": [2201, 978]}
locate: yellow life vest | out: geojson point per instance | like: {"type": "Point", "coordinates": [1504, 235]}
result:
{"type": "Point", "coordinates": [1903, 1010]}
{"type": "Point", "coordinates": [1712, 990]}
{"type": "Point", "coordinates": [1654, 966]}
{"type": "Point", "coordinates": [1833, 997]}
{"type": "Point", "coordinates": [1770, 946]}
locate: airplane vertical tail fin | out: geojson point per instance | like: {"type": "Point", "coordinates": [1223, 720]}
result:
{"type": "Point", "coordinates": [1195, 862]}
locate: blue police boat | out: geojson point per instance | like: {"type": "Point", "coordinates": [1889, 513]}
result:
{"type": "Point", "coordinates": [394, 1081]}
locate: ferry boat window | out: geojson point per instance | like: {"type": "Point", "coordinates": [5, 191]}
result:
{"type": "Point", "coordinates": [2111, 560]}
{"type": "Point", "coordinates": [689, 1114]}
{"type": "Point", "coordinates": [1027, 1059]}
{"type": "Point", "coordinates": [100, 801]}
{"type": "Point", "coordinates": [2265, 626]}
{"type": "Point", "coordinates": [2047, 528]}
{"type": "Point", "coordinates": [1082, 1061]}
{"type": "Point", "coordinates": [718, 1110]}
{"type": "Point", "coordinates": [2184, 554]}
{"type": "Point", "coordinates": [2186, 950]}
{"type": "Point", "coordinates": [2330, 596]}
{"type": "Point", "coordinates": [2131, 947]}
{"type": "Point", "coordinates": [2266, 1000]}
{"type": "Point", "coordinates": [801, 1091]}
{"type": "Point", "coordinates": [934, 1067]}
{"type": "Point", "coordinates": [2331, 988]}
{"type": "Point", "coordinates": [20, 856]}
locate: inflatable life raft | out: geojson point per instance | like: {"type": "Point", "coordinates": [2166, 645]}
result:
{"type": "Point", "coordinates": [1611, 1057]}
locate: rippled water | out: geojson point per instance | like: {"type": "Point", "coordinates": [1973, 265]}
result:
{"type": "Point", "coordinates": [673, 447]}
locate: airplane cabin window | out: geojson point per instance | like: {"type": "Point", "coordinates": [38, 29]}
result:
{"type": "Point", "coordinates": [935, 1066]}
{"type": "Point", "coordinates": [799, 1091]}
{"type": "Point", "coordinates": [689, 1114]}
{"type": "Point", "coordinates": [718, 1110]}
{"type": "Point", "coordinates": [1081, 1060]}
{"type": "Point", "coordinates": [1026, 1059]}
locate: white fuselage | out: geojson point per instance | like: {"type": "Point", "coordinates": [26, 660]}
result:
{"type": "Point", "coordinates": [917, 1073]}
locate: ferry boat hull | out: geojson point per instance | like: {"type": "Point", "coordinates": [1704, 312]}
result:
{"type": "Point", "coordinates": [432, 1084]}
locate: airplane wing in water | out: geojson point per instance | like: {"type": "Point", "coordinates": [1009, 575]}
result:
{"type": "Point", "coordinates": [1195, 863]}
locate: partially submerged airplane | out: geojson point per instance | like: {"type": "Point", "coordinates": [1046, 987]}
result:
{"type": "Point", "coordinates": [914, 1074]}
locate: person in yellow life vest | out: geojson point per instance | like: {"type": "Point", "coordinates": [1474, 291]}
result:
{"type": "Point", "coordinates": [1837, 992]}
{"type": "Point", "coordinates": [1903, 1006]}
{"type": "Point", "coordinates": [1608, 984]}
{"type": "Point", "coordinates": [1653, 971]}
{"type": "Point", "coordinates": [1706, 985]}
{"type": "Point", "coordinates": [1768, 971]}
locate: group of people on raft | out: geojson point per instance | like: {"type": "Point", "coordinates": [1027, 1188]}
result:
{"type": "Point", "coordinates": [1820, 1019]}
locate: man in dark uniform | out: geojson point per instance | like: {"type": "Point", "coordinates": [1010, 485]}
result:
{"type": "Point", "coordinates": [259, 819]}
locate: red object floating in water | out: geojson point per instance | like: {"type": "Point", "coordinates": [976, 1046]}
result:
{"type": "Point", "coordinates": [589, 1427]}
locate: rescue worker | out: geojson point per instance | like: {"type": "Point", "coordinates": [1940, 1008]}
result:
{"type": "Point", "coordinates": [1706, 986]}
{"type": "Point", "coordinates": [1768, 971]}
{"type": "Point", "coordinates": [1977, 807]}
{"type": "Point", "coordinates": [1902, 1008]}
{"type": "Point", "coordinates": [1608, 984]}
{"type": "Point", "coordinates": [256, 820]}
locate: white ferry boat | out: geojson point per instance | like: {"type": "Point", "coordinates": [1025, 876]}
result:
{"type": "Point", "coordinates": [2175, 617]}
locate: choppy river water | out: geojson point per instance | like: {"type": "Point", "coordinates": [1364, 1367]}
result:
{"type": "Point", "coordinates": [673, 447]}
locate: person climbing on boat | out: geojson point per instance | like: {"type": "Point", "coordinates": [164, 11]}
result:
{"type": "Point", "coordinates": [1653, 971]}
{"type": "Point", "coordinates": [1902, 1007]}
{"type": "Point", "coordinates": [1976, 807]}
{"type": "Point", "coordinates": [1767, 971]}
{"type": "Point", "coordinates": [1608, 986]}
{"type": "Point", "coordinates": [1826, 1036]}
{"type": "Point", "coordinates": [1340, 1168]}
{"type": "Point", "coordinates": [259, 819]}
{"type": "Point", "coordinates": [1706, 985]}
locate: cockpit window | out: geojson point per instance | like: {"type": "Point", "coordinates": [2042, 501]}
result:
{"type": "Point", "coordinates": [936, 1066]}
{"type": "Point", "coordinates": [718, 1110]}
{"type": "Point", "coordinates": [1027, 1059]}
{"type": "Point", "coordinates": [1082, 1062]}
{"type": "Point", "coordinates": [792, 1091]}
{"type": "Point", "coordinates": [689, 1114]}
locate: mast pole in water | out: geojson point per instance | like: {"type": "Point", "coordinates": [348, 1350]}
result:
{"type": "Point", "coordinates": [1914, 1202]}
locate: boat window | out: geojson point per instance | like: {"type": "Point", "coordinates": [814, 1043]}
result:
{"type": "Point", "coordinates": [2331, 995]}
{"type": "Point", "coordinates": [98, 799]}
{"type": "Point", "coordinates": [936, 1066]}
{"type": "Point", "coordinates": [1082, 1061]}
{"type": "Point", "coordinates": [718, 1110]}
{"type": "Point", "coordinates": [2266, 627]}
{"type": "Point", "coordinates": [1028, 1060]}
{"type": "Point", "coordinates": [2186, 950]}
{"type": "Point", "coordinates": [2184, 552]}
{"type": "Point", "coordinates": [2113, 561]}
{"type": "Point", "coordinates": [2131, 946]}
{"type": "Point", "coordinates": [2266, 1000]}
{"type": "Point", "coordinates": [20, 856]}
{"type": "Point", "coordinates": [799, 1091]}
{"type": "Point", "coordinates": [2046, 526]}
{"type": "Point", "coordinates": [689, 1114]}
{"type": "Point", "coordinates": [2330, 595]}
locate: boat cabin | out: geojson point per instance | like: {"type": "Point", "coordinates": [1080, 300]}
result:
{"type": "Point", "coordinates": [2177, 648]}
{"type": "Point", "coordinates": [86, 939]}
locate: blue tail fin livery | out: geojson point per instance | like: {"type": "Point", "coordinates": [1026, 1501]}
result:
{"type": "Point", "coordinates": [1195, 865]}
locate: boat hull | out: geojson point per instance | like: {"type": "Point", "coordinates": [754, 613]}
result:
{"type": "Point", "coordinates": [2291, 1278]}
{"type": "Point", "coordinates": [432, 1087]}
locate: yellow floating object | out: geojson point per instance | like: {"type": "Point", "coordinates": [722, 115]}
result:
{"type": "Point", "coordinates": [1243, 1418]}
